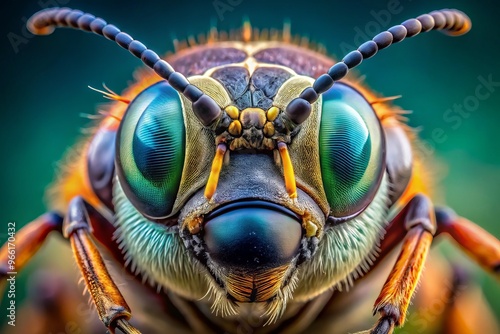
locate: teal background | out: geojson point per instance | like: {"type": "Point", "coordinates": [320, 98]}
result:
{"type": "Point", "coordinates": [44, 89]}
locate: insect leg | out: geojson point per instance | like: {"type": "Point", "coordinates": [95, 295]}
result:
{"type": "Point", "coordinates": [418, 220]}
{"type": "Point", "coordinates": [476, 242]}
{"type": "Point", "coordinates": [103, 231]}
{"type": "Point", "coordinates": [26, 242]}
{"type": "Point", "coordinates": [111, 306]}
{"type": "Point", "coordinates": [466, 309]}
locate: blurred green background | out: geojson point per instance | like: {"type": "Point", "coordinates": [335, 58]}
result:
{"type": "Point", "coordinates": [44, 86]}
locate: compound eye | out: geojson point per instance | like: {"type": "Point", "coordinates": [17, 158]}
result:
{"type": "Point", "coordinates": [151, 149]}
{"type": "Point", "coordinates": [351, 150]}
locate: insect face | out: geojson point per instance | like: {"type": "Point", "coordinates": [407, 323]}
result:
{"type": "Point", "coordinates": [252, 234]}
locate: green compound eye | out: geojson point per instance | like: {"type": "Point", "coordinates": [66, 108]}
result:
{"type": "Point", "coordinates": [351, 150]}
{"type": "Point", "coordinates": [151, 149]}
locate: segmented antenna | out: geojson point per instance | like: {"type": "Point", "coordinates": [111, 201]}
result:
{"type": "Point", "coordinates": [45, 21]}
{"type": "Point", "coordinates": [451, 21]}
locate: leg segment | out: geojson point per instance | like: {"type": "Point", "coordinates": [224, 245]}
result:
{"type": "Point", "coordinates": [111, 306]}
{"type": "Point", "coordinates": [476, 242]}
{"type": "Point", "coordinates": [419, 225]}
{"type": "Point", "coordinates": [27, 242]}
{"type": "Point", "coordinates": [466, 310]}
{"type": "Point", "coordinates": [103, 231]}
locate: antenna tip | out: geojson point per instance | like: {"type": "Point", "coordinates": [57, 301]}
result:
{"type": "Point", "coordinates": [461, 23]}
{"type": "Point", "coordinates": [465, 27]}
{"type": "Point", "coordinates": [39, 23]}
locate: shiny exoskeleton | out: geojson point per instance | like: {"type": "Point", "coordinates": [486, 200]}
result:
{"type": "Point", "coordinates": [251, 182]}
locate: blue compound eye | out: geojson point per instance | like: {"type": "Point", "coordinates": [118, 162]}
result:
{"type": "Point", "coordinates": [351, 150]}
{"type": "Point", "coordinates": [151, 150]}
